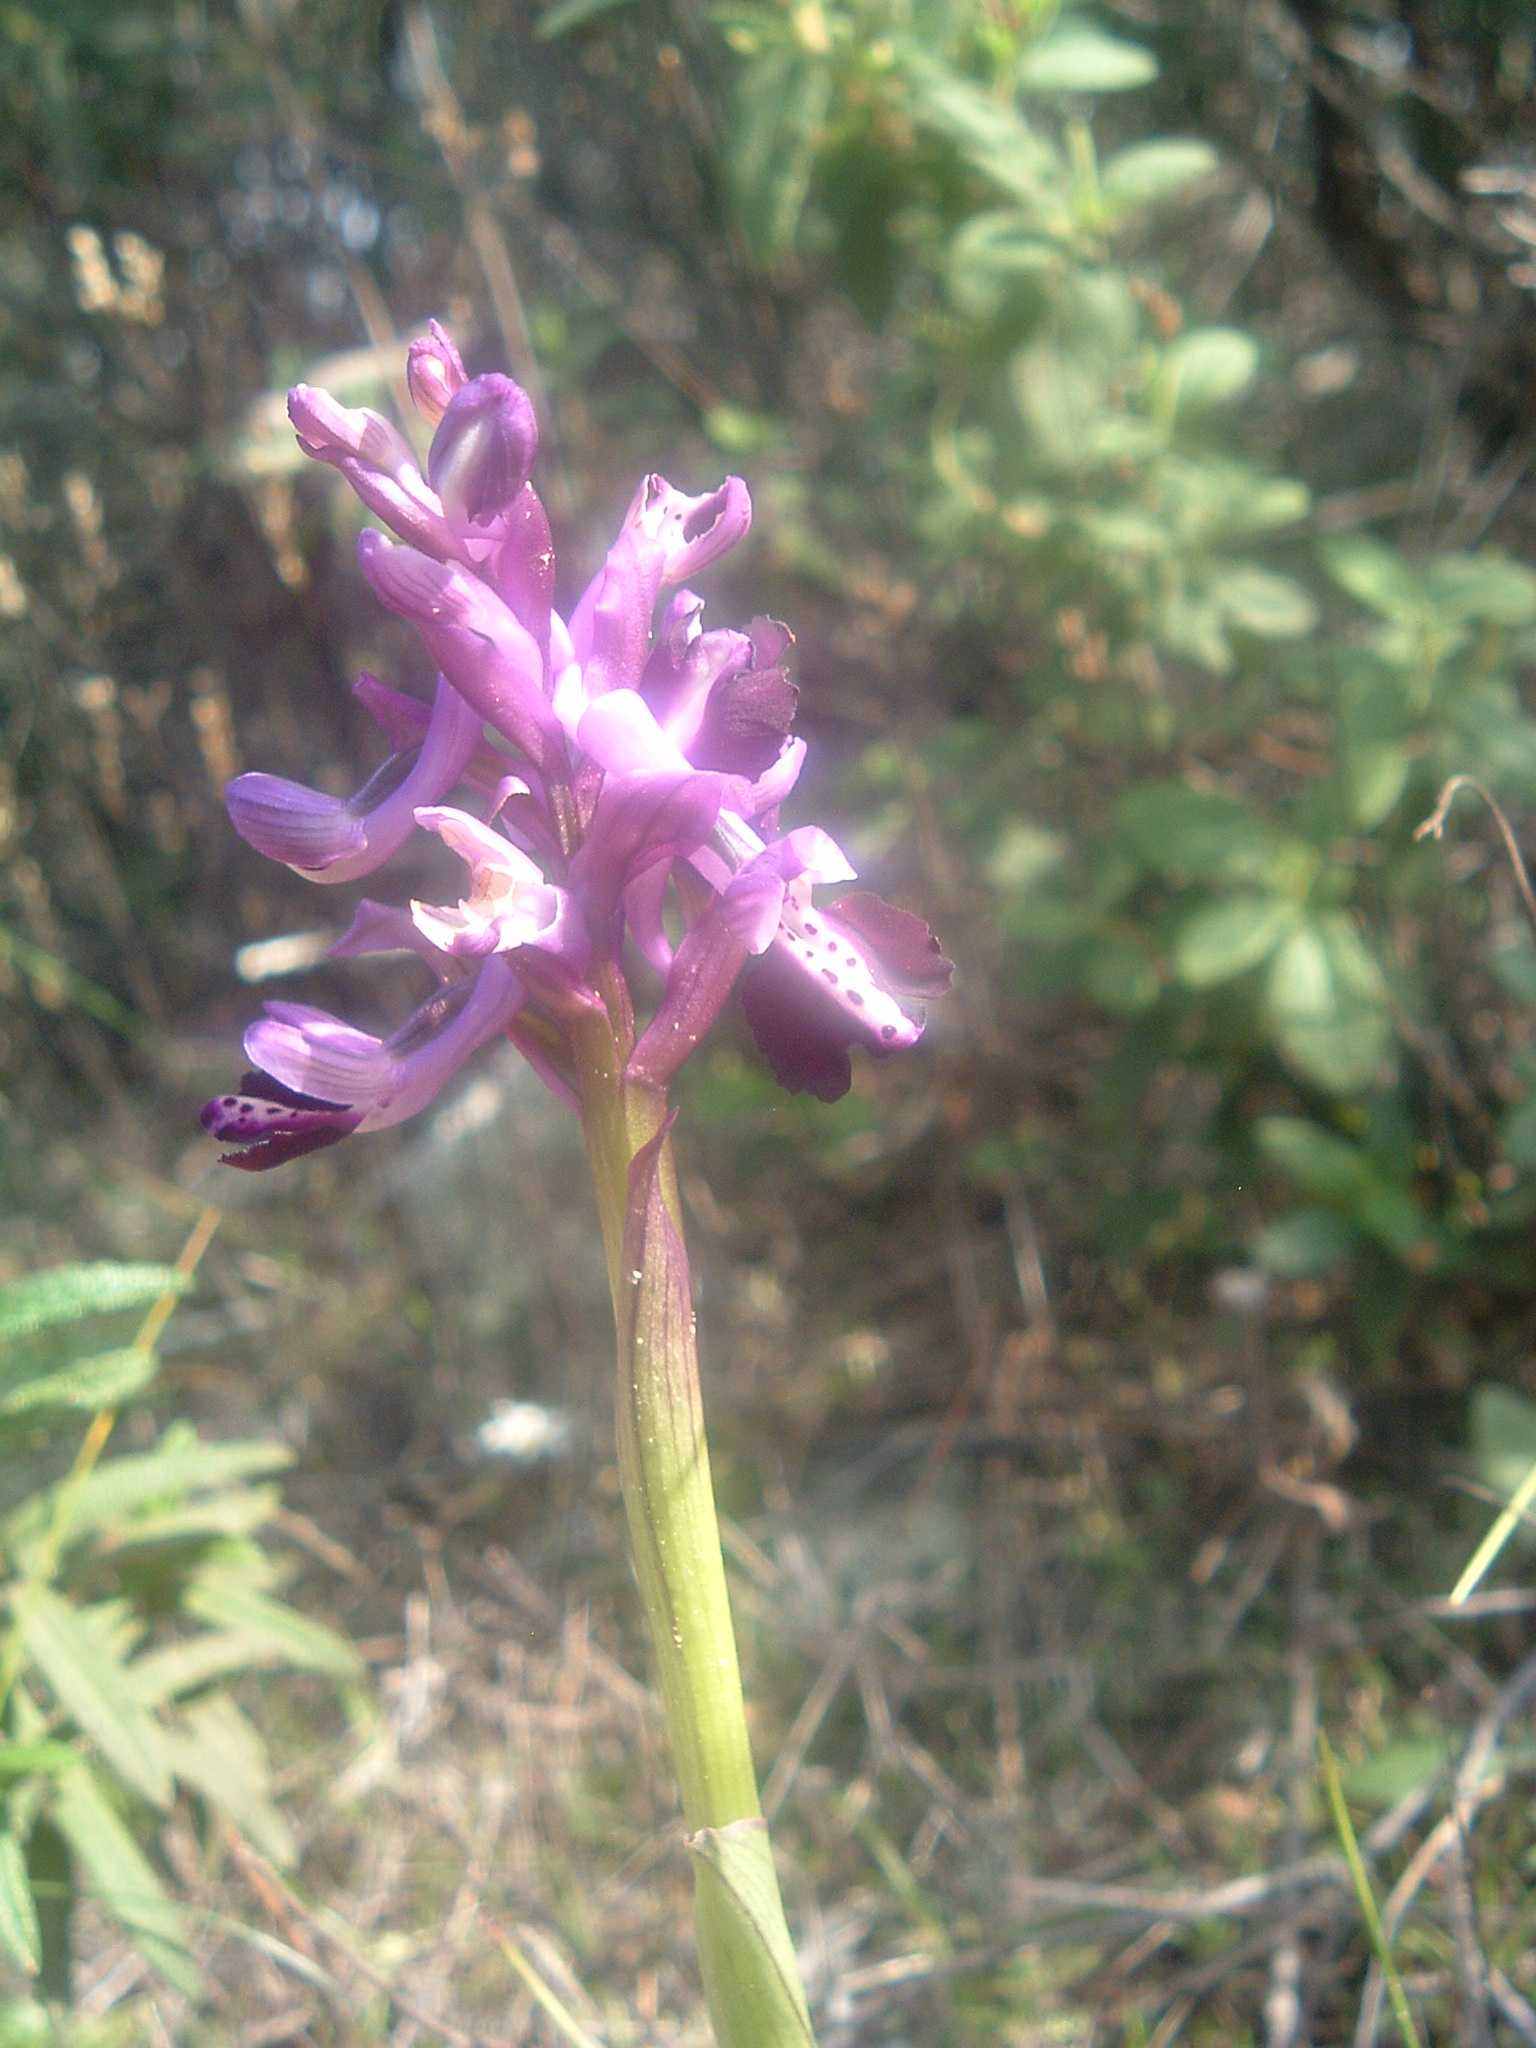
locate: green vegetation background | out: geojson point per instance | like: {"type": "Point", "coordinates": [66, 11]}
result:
{"type": "Point", "coordinates": [1137, 404]}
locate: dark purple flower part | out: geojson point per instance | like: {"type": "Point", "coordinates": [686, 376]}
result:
{"type": "Point", "coordinates": [611, 782]}
{"type": "Point", "coordinates": [482, 453]}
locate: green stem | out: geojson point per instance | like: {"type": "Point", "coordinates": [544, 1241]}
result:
{"type": "Point", "coordinates": [745, 1952]}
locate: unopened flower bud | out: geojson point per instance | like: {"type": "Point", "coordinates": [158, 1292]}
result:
{"type": "Point", "coordinates": [483, 449]}
{"type": "Point", "coordinates": [434, 372]}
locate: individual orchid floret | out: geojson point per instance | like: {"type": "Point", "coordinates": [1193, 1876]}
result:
{"type": "Point", "coordinates": [317, 1079]}
{"type": "Point", "coordinates": [851, 974]}
{"type": "Point", "coordinates": [434, 372]}
{"type": "Point", "coordinates": [666, 538]}
{"type": "Point", "coordinates": [338, 839]}
{"type": "Point", "coordinates": [380, 465]}
{"type": "Point", "coordinates": [480, 645]}
{"type": "Point", "coordinates": [510, 907]}
{"type": "Point", "coordinates": [483, 451]}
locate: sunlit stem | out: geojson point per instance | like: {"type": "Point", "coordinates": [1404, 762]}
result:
{"type": "Point", "coordinates": [745, 1953]}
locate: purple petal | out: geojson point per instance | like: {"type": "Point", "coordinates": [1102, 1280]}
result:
{"type": "Point", "coordinates": [273, 1124]}
{"type": "Point", "coordinates": [830, 981]}
{"type": "Point", "coordinates": [303, 828]}
{"type": "Point", "coordinates": [522, 566]}
{"type": "Point", "coordinates": [483, 451]}
{"type": "Point", "coordinates": [665, 538]}
{"type": "Point", "coordinates": [329, 839]}
{"type": "Point", "coordinates": [479, 644]}
{"type": "Point", "coordinates": [712, 953]}
{"type": "Point", "coordinates": [385, 928]}
{"type": "Point", "coordinates": [402, 719]}
{"type": "Point", "coordinates": [746, 722]}
{"type": "Point", "coordinates": [640, 820]}
{"type": "Point", "coordinates": [380, 465]}
{"type": "Point", "coordinates": [619, 732]}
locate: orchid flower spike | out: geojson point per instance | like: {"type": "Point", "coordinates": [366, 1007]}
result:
{"type": "Point", "coordinates": [602, 777]}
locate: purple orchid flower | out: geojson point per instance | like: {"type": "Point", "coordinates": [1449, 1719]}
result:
{"type": "Point", "coordinates": [619, 763]}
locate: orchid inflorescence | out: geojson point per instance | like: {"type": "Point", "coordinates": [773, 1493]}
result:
{"type": "Point", "coordinates": [626, 772]}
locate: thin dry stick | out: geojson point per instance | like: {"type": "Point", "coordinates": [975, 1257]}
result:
{"type": "Point", "coordinates": [1433, 827]}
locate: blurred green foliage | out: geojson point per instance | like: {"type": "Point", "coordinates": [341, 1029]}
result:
{"type": "Point", "coordinates": [136, 1588]}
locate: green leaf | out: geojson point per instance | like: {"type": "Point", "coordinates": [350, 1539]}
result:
{"type": "Point", "coordinates": [991, 133]}
{"type": "Point", "coordinates": [220, 1755]}
{"type": "Point", "coordinates": [65, 1294]}
{"type": "Point", "coordinates": [123, 1878]}
{"type": "Point", "coordinates": [181, 1464]}
{"type": "Point", "coordinates": [1375, 575]}
{"type": "Point", "coordinates": [991, 255]}
{"type": "Point", "coordinates": [1148, 173]}
{"type": "Point", "coordinates": [1503, 1431]}
{"type": "Point", "coordinates": [1518, 1134]}
{"type": "Point", "coordinates": [741, 1924]}
{"type": "Point", "coordinates": [1306, 1244]}
{"type": "Point", "coordinates": [1482, 586]}
{"type": "Point", "coordinates": [74, 1648]}
{"type": "Point", "coordinates": [1077, 58]}
{"type": "Point", "coordinates": [1318, 1160]}
{"type": "Point", "coordinates": [1220, 940]}
{"type": "Point", "coordinates": [1198, 834]}
{"type": "Point", "coordinates": [1061, 401]}
{"type": "Point", "coordinates": [105, 1381]}
{"type": "Point", "coordinates": [1208, 367]}
{"type": "Point", "coordinates": [1258, 601]}
{"type": "Point", "coordinates": [776, 126]}
{"type": "Point", "coordinates": [1398, 1769]}
{"type": "Point", "coordinates": [35, 1759]}
{"type": "Point", "coordinates": [269, 1629]}
{"type": "Point", "coordinates": [1328, 1006]}
{"type": "Point", "coordinates": [565, 15]}
{"type": "Point", "coordinates": [20, 1935]}
{"type": "Point", "coordinates": [1120, 975]}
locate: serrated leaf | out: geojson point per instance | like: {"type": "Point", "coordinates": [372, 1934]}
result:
{"type": "Point", "coordinates": [103, 1381]}
{"type": "Point", "coordinates": [1328, 1006]}
{"type": "Point", "coordinates": [124, 1880]}
{"type": "Point", "coordinates": [1219, 941]}
{"type": "Point", "coordinates": [1306, 1244]}
{"type": "Point", "coordinates": [181, 1464]}
{"type": "Point", "coordinates": [66, 1294]}
{"type": "Point", "coordinates": [737, 1888]}
{"type": "Point", "coordinates": [220, 1755]}
{"type": "Point", "coordinates": [20, 1934]}
{"type": "Point", "coordinates": [1077, 58]}
{"type": "Point", "coordinates": [1148, 173]}
{"type": "Point", "coordinates": [167, 1673]}
{"type": "Point", "coordinates": [272, 1630]}
{"type": "Point", "coordinates": [1209, 366]}
{"type": "Point", "coordinates": [77, 1655]}
{"type": "Point", "coordinates": [780, 107]}
{"type": "Point", "coordinates": [235, 1513]}
{"type": "Point", "coordinates": [1258, 601]}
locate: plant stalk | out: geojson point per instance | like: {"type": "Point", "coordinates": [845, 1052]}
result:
{"type": "Point", "coordinates": [746, 1955]}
